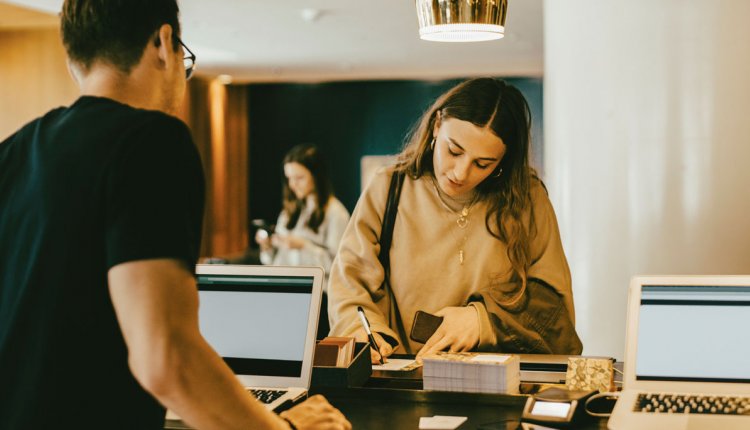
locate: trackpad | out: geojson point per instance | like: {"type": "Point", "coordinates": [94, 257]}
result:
{"type": "Point", "coordinates": [707, 422]}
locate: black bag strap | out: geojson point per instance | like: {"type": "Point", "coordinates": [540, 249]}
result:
{"type": "Point", "coordinates": [389, 219]}
{"type": "Point", "coordinates": [386, 237]}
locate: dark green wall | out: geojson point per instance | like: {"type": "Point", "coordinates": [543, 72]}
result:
{"type": "Point", "coordinates": [347, 120]}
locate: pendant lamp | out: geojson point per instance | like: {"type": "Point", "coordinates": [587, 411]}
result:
{"type": "Point", "coordinates": [461, 20]}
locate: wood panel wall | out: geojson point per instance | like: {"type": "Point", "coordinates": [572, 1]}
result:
{"type": "Point", "coordinates": [33, 77]}
{"type": "Point", "coordinates": [217, 116]}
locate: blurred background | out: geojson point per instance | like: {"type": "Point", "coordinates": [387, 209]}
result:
{"type": "Point", "coordinates": [640, 129]}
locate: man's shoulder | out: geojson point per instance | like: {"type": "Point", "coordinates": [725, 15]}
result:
{"type": "Point", "coordinates": [27, 131]}
{"type": "Point", "coordinates": [155, 132]}
{"type": "Point", "coordinates": [105, 112]}
{"type": "Point", "coordinates": [152, 121]}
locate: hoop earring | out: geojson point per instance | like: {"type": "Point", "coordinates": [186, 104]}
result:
{"type": "Point", "coordinates": [432, 144]}
{"type": "Point", "coordinates": [499, 172]}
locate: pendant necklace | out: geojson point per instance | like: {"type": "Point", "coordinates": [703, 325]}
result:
{"type": "Point", "coordinates": [462, 221]}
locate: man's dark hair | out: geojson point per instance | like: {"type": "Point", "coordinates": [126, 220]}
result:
{"type": "Point", "coordinates": [114, 31]}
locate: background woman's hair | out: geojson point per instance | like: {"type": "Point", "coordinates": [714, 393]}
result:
{"type": "Point", "coordinates": [310, 157]}
{"type": "Point", "coordinates": [114, 31]}
{"type": "Point", "coordinates": [488, 102]}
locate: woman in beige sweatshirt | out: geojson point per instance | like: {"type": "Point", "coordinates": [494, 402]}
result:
{"type": "Point", "coordinates": [475, 238]}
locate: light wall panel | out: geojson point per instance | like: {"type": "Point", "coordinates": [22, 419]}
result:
{"type": "Point", "coordinates": [647, 144]}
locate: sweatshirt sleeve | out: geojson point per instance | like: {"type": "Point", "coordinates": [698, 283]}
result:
{"type": "Point", "coordinates": [356, 274]}
{"type": "Point", "coordinates": [543, 320]}
{"type": "Point", "coordinates": [336, 220]}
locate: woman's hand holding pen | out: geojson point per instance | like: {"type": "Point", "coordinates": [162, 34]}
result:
{"type": "Point", "coordinates": [458, 332]}
{"type": "Point", "coordinates": [384, 347]}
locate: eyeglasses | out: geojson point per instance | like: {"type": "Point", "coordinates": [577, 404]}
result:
{"type": "Point", "coordinates": [189, 60]}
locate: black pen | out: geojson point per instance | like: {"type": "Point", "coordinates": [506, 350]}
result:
{"type": "Point", "coordinates": [366, 325]}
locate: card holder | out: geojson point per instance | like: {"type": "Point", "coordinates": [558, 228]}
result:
{"type": "Point", "coordinates": [424, 326]}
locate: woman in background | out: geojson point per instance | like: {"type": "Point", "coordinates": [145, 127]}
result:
{"type": "Point", "coordinates": [312, 220]}
{"type": "Point", "coordinates": [475, 239]}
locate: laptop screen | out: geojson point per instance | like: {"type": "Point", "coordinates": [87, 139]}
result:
{"type": "Point", "coordinates": [257, 324]}
{"type": "Point", "coordinates": [694, 333]}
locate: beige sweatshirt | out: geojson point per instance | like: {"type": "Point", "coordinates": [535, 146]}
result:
{"type": "Point", "coordinates": [426, 273]}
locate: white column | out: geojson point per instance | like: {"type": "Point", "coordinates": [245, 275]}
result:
{"type": "Point", "coordinates": [647, 146]}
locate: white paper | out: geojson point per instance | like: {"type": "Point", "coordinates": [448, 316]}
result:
{"type": "Point", "coordinates": [550, 409]}
{"type": "Point", "coordinates": [440, 422]}
{"type": "Point", "coordinates": [396, 364]}
{"type": "Point", "coordinates": [490, 358]}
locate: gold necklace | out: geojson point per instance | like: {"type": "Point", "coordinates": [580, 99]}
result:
{"type": "Point", "coordinates": [462, 221]}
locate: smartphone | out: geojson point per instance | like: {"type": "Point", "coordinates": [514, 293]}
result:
{"type": "Point", "coordinates": [424, 326]}
{"type": "Point", "coordinates": [261, 224]}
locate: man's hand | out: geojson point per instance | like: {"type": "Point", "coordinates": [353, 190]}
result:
{"type": "Point", "coordinates": [384, 348]}
{"type": "Point", "coordinates": [316, 413]}
{"type": "Point", "coordinates": [458, 332]}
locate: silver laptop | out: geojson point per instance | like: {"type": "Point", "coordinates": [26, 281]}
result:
{"type": "Point", "coordinates": [262, 320]}
{"type": "Point", "coordinates": [687, 354]}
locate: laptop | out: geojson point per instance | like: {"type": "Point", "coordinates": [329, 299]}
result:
{"type": "Point", "coordinates": [687, 354]}
{"type": "Point", "coordinates": [262, 320]}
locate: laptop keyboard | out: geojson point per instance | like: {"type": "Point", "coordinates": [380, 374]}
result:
{"type": "Point", "coordinates": [266, 396]}
{"type": "Point", "coordinates": [692, 404]}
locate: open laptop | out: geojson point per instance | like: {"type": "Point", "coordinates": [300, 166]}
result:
{"type": "Point", "coordinates": [262, 320]}
{"type": "Point", "coordinates": [687, 354]}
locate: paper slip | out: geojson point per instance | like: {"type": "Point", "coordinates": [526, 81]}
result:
{"type": "Point", "coordinates": [491, 358]}
{"type": "Point", "coordinates": [397, 364]}
{"type": "Point", "coordinates": [441, 422]}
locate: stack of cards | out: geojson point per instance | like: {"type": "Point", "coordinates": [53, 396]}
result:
{"type": "Point", "coordinates": [472, 372]}
{"type": "Point", "coordinates": [334, 351]}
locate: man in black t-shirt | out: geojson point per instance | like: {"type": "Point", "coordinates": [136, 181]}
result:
{"type": "Point", "coordinates": [100, 218]}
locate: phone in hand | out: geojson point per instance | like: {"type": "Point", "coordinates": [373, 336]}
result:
{"type": "Point", "coordinates": [424, 326]}
{"type": "Point", "coordinates": [261, 224]}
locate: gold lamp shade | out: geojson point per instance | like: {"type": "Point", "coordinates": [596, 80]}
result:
{"type": "Point", "coordinates": [461, 20]}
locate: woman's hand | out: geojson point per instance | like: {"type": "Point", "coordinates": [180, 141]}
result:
{"type": "Point", "coordinates": [458, 332]}
{"type": "Point", "coordinates": [384, 348]}
{"type": "Point", "coordinates": [289, 241]}
{"type": "Point", "coordinates": [262, 239]}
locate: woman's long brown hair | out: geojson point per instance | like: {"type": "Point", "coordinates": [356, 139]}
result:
{"type": "Point", "coordinates": [310, 157]}
{"type": "Point", "coordinates": [488, 102]}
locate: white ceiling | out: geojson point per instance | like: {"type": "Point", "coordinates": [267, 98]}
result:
{"type": "Point", "coordinates": [269, 40]}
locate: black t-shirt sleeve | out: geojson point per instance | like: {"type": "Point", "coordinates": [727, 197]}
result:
{"type": "Point", "coordinates": [155, 195]}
